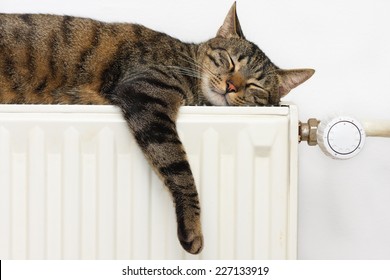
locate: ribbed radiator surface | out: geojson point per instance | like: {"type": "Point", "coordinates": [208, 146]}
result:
{"type": "Point", "coordinates": [74, 185]}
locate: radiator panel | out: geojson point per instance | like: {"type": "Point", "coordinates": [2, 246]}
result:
{"type": "Point", "coordinates": [73, 184]}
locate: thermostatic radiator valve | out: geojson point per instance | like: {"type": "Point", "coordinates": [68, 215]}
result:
{"type": "Point", "coordinates": [341, 137]}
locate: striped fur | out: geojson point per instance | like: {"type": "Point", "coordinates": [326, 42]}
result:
{"type": "Point", "coordinates": [48, 59]}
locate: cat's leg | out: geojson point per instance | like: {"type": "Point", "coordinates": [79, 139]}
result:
{"type": "Point", "coordinates": [151, 115]}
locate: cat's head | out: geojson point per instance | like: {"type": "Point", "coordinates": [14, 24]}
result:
{"type": "Point", "coordinates": [236, 72]}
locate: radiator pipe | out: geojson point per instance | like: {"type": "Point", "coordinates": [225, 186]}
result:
{"type": "Point", "coordinates": [377, 128]}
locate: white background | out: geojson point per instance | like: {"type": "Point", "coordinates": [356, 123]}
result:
{"type": "Point", "coordinates": [344, 210]}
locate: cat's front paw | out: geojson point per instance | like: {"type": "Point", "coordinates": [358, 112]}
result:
{"type": "Point", "coordinates": [191, 237]}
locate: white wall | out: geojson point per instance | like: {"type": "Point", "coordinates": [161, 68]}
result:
{"type": "Point", "coordinates": [344, 205]}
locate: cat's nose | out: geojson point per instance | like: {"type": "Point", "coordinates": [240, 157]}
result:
{"type": "Point", "coordinates": [230, 87]}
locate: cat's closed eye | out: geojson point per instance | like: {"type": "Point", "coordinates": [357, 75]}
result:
{"type": "Point", "coordinates": [228, 61]}
{"type": "Point", "coordinates": [253, 85]}
{"type": "Point", "coordinates": [221, 59]}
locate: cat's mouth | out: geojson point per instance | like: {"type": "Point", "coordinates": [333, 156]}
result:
{"type": "Point", "coordinates": [219, 97]}
{"type": "Point", "coordinates": [214, 95]}
{"type": "Point", "coordinates": [234, 100]}
{"type": "Point", "coordinates": [230, 97]}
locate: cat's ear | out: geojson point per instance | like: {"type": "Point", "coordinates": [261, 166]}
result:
{"type": "Point", "coordinates": [231, 27]}
{"type": "Point", "coordinates": [289, 79]}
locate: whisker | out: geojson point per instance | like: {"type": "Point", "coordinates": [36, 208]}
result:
{"type": "Point", "coordinates": [193, 62]}
{"type": "Point", "coordinates": [196, 71]}
{"type": "Point", "coordinates": [133, 76]}
{"type": "Point", "coordinates": [185, 71]}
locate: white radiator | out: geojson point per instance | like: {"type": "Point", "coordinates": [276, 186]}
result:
{"type": "Point", "coordinates": [74, 185]}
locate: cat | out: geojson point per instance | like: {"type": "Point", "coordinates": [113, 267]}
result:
{"type": "Point", "coordinates": [50, 59]}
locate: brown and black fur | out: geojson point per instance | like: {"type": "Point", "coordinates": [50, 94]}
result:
{"type": "Point", "coordinates": [48, 59]}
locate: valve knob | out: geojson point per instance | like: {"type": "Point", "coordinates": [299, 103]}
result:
{"type": "Point", "coordinates": [341, 137]}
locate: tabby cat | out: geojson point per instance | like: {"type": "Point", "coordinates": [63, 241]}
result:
{"type": "Point", "coordinates": [49, 59]}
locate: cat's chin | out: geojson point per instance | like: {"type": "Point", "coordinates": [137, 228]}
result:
{"type": "Point", "coordinates": [215, 98]}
